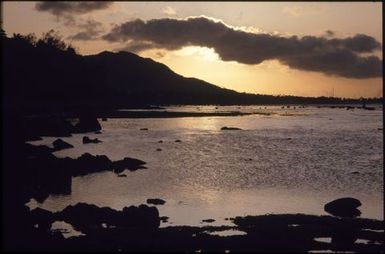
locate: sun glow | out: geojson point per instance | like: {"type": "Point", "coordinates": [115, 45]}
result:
{"type": "Point", "coordinates": [202, 53]}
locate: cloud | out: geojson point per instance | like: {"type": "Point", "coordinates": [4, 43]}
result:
{"type": "Point", "coordinates": [338, 57]}
{"type": "Point", "coordinates": [91, 30]}
{"type": "Point", "coordinates": [66, 7]}
{"type": "Point", "coordinates": [169, 11]}
{"type": "Point", "coordinates": [68, 12]}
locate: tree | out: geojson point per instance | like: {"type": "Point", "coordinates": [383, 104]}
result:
{"type": "Point", "coordinates": [2, 33]}
{"type": "Point", "coordinates": [51, 40]}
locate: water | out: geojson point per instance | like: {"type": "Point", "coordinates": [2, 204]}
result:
{"type": "Point", "coordinates": [293, 163]}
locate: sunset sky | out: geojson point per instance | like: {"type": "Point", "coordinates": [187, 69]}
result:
{"type": "Point", "coordinates": [291, 48]}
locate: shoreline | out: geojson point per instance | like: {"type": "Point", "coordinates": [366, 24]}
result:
{"type": "Point", "coordinates": [30, 169]}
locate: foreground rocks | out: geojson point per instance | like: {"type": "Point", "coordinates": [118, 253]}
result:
{"type": "Point", "coordinates": [87, 123]}
{"type": "Point", "coordinates": [86, 217]}
{"type": "Point", "coordinates": [344, 207]}
{"type": "Point", "coordinates": [87, 140]}
{"type": "Point", "coordinates": [225, 128]}
{"type": "Point", "coordinates": [59, 144]}
{"type": "Point", "coordinates": [156, 201]}
{"type": "Point", "coordinates": [137, 229]}
{"type": "Point", "coordinates": [47, 174]}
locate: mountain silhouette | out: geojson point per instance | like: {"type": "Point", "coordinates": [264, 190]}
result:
{"type": "Point", "coordinates": [47, 75]}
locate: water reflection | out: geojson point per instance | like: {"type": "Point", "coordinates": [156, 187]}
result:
{"type": "Point", "coordinates": [276, 164]}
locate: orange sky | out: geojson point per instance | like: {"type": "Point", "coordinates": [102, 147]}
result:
{"type": "Point", "coordinates": [269, 77]}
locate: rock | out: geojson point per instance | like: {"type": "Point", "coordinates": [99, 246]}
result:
{"type": "Point", "coordinates": [85, 217]}
{"type": "Point", "coordinates": [47, 126]}
{"type": "Point", "coordinates": [164, 219]}
{"type": "Point", "coordinates": [33, 138]}
{"type": "Point", "coordinates": [104, 119]}
{"type": "Point", "coordinates": [142, 216]}
{"type": "Point", "coordinates": [178, 141]}
{"type": "Point", "coordinates": [87, 124]}
{"type": "Point", "coordinates": [87, 140]}
{"type": "Point", "coordinates": [122, 175]}
{"type": "Point", "coordinates": [160, 141]}
{"type": "Point", "coordinates": [59, 144]}
{"type": "Point", "coordinates": [127, 163]}
{"type": "Point", "coordinates": [159, 149]}
{"type": "Point", "coordinates": [155, 201]}
{"type": "Point", "coordinates": [42, 217]}
{"type": "Point", "coordinates": [208, 220]}
{"type": "Point", "coordinates": [88, 163]}
{"type": "Point", "coordinates": [230, 128]}
{"type": "Point", "coordinates": [144, 129]}
{"type": "Point", "coordinates": [343, 207]}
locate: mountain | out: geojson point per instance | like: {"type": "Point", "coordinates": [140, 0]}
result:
{"type": "Point", "coordinates": [131, 78]}
{"type": "Point", "coordinates": [45, 76]}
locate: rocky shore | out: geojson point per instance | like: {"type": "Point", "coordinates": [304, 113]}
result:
{"type": "Point", "coordinates": [34, 172]}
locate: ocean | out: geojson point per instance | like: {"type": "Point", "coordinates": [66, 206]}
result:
{"type": "Point", "coordinates": [283, 160]}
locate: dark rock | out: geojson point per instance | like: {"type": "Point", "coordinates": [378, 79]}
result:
{"type": "Point", "coordinates": [159, 149]}
{"type": "Point", "coordinates": [230, 128]}
{"type": "Point", "coordinates": [33, 138]}
{"type": "Point", "coordinates": [87, 140]}
{"type": "Point", "coordinates": [142, 216]}
{"type": "Point", "coordinates": [208, 220]}
{"type": "Point", "coordinates": [127, 163]}
{"type": "Point", "coordinates": [160, 141]}
{"type": "Point", "coordinates": [86, 217]}
{"type": "Point", "coordinates": [368, 108]}
{"type": "Point", "coordinates": [155, 201]}
{"type": "Point", "coordinates": [122, 175]}
{"type": "Point", "coordinates": [36, 151]}
{"type": "Point", "coordinates": [104, 119]}
{"type": "Point", "coordinates": [83, 216]}
{"type": "Point", "coordinates": [47, 126]}
{"type": "Point", "coordinates": [178, 141]}
{"type": "Point", "coordinates": [59, 144]}
{"type": "Point", "coordinates": [343, 207]}
{"type": "Point", "coordinates": [87, 124]}
{"type": "Point", "coordinates": [88, 163]}
{"type": "Point", "coordinates": [144, 129]}
{"type": "Point", "coordinates": [42, 217]}
{"type": "Point", "coordinates": [164, 219]}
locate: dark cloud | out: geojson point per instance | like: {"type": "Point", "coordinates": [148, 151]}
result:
{"type": "Point", "coordinates": [65, 7]}
{"type": "Point", "coordinates": [90, 30]}
{"type": "Point", "coordinates": [332, 56]}
{"type": "Point", "coordinates": [66, 11]}
{"type": "Point", "coordinates": [138, 46]}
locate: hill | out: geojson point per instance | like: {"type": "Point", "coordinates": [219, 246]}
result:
{"type": "Point", "coordinates": [48, 75]}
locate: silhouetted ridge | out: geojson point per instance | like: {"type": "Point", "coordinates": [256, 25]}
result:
{"type": "Point", "coordinates": [47, 75]}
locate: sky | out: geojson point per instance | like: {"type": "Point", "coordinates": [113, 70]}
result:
{"type": "Point", "coordinates": [278, 48]}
